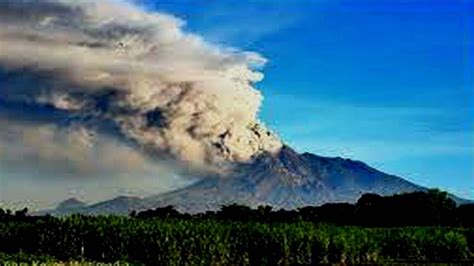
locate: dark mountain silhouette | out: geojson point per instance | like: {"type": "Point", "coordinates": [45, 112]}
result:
{"type": "Point", "coordinates": [283, 180]}
{"type": "Point", "coordinates": [71, 204]}
{"type": "Point", "coordinates": [118, 205]}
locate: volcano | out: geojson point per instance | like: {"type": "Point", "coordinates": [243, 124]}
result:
{"type": "Point", "coordinates": [286, 180]}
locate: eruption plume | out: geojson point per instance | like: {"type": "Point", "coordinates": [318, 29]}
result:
{"type": "Point", "coordinates": [111, 66]}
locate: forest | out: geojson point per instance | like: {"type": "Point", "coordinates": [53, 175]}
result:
{"type": "Point", "coordinates": [407, 228]}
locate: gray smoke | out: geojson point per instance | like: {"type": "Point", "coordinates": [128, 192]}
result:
{"type": "Point", "coordinates": [109, 66]}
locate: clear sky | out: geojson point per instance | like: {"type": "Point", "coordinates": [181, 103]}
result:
{"type": "Point", "coordinates": [390, 83]}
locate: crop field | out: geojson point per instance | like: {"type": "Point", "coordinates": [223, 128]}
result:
{"type": "Point", "coordinates": [212, 242]}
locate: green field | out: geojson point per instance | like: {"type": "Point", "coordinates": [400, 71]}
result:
{"type": "Point", "coordinates": [212, 242]}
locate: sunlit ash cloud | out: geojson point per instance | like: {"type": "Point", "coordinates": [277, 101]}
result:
{"type": "Point", "coordinates": [82, 69]}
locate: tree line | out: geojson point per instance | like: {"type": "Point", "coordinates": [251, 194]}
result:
{"type": "Point", "coordinates": [431, 208]}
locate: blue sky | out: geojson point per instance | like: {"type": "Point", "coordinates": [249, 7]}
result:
{"type": "Point", "coordinates": [390, 83]}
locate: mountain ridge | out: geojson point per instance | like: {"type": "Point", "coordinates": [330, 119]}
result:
{"type": "Point", "coordinates": [283, 180]}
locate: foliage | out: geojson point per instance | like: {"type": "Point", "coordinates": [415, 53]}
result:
{"type": "Point", "coordinates": [432, 208]}
{"type": "Point", "coordinates": [213, 242]}
{"type": "Point", "coordinates": [375, 230]}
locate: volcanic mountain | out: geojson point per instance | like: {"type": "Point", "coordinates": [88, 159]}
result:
{"type": "Point", "coordinates": [283, 180]}
{"type": "Point", "coordinates": [71, 203]}
{"type": "Point", "coordinates": [286, 180]}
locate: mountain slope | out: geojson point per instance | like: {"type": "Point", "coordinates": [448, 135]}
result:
{"type": "Point", "coordinates": [120, 205]}
{"type": "Point", "coordinates": [70, 204]}
{"type": "Point", "coordinates": [286, 180]}
{"type": "Point", "coordinates": [283, 180]}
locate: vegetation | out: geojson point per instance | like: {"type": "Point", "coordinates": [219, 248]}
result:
{"type": "Point", "coordinates": [432, 208]}
{"type": "Point", "coordinates": [238, 235]}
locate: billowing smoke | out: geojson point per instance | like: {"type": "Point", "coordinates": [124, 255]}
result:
{"type": "Point", "coordinates": [109, 66]}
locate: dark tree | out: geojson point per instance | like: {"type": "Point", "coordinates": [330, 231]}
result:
{"type": "Point", "coordinates": [235, 212]}
{"type": "Point", "coordinates": [465, 215]}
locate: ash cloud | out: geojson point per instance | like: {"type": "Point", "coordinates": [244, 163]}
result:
{"type": "Point", "coordinates": [109, 66]}
{"type": "Point", "coordinates": [71, 152]}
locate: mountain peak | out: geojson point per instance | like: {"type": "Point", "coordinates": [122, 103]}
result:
{"type": "Point", "coordinates": [285, 179]}
{"type": "Point", "coordinates": [70, 203]}
{"type": "Point", "coordinates": [285, 160]}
